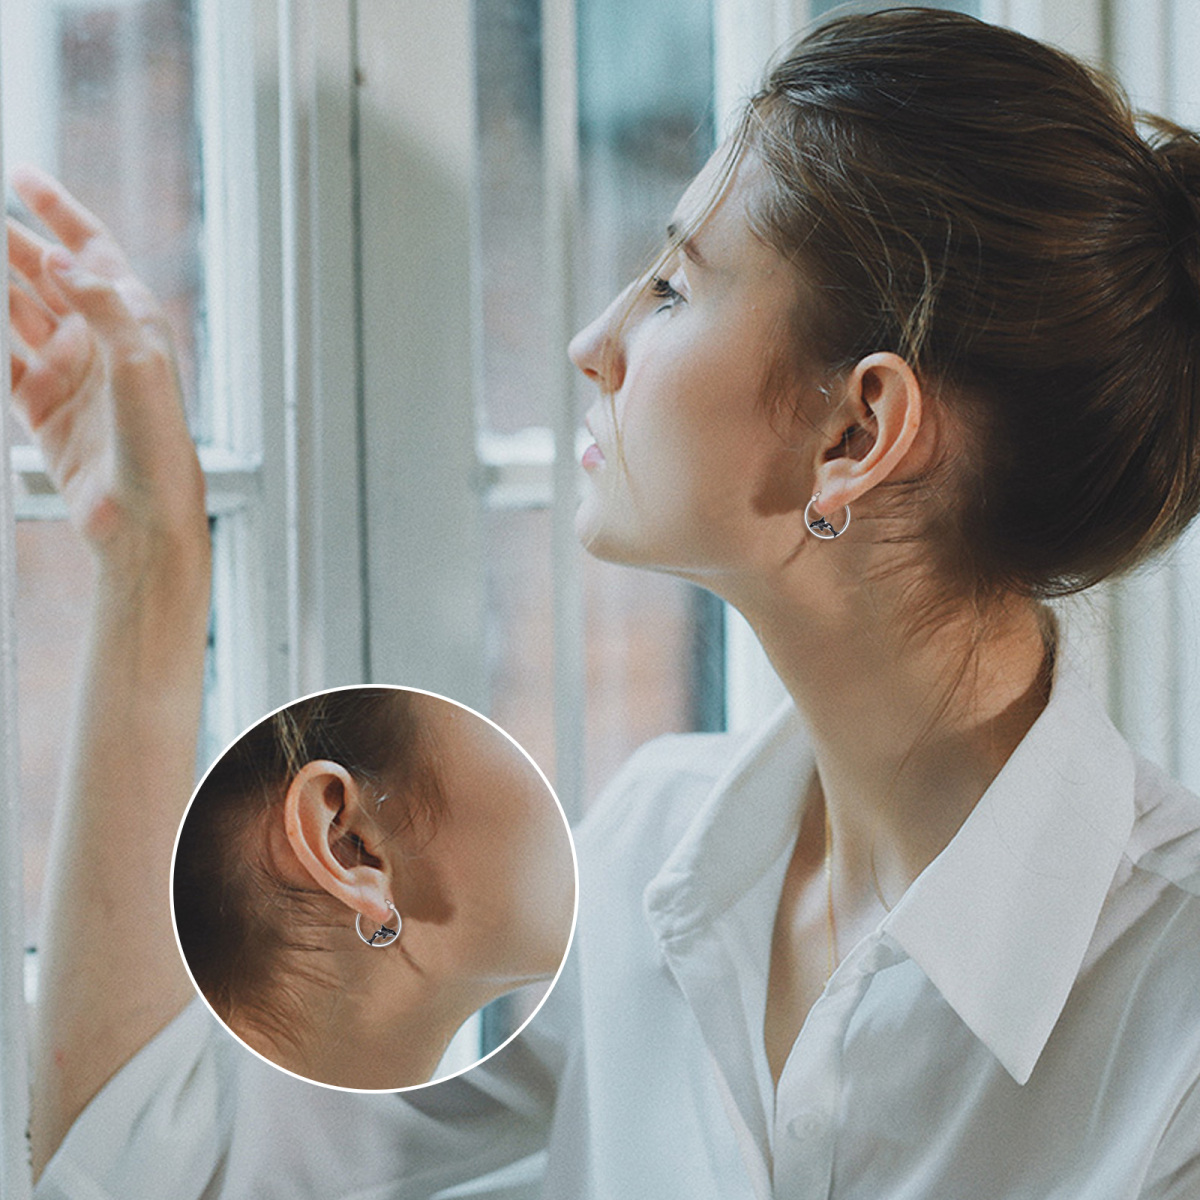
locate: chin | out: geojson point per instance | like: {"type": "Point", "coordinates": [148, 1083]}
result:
{"type": "Point", "coordinates": [592, 532]}
{"type": "Point", "coordinates": [606, 528]}
{"type": "Point", "coordinates": [608, 547]}
{"type": "Point", "coordinates": [625, 549]}
{"type": "Point", "coordinates": [608, 524]}
{"type": "Point", "coordinates": [613, 532]}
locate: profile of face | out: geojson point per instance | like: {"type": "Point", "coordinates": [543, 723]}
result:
{"type": "Point", "coordinates": [689, 458]}
{"type": "Point", "coordinates": [387, 862]}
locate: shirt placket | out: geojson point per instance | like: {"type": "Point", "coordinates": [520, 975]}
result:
{"type": "Point", "coordinates": [808, 1099]}
{"type": "Point", "coordinates": [706, 973]}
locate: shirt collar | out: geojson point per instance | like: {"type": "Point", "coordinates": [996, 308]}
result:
{"type": "Point", "coordinates": [749, 818]}
{"type": "Point", "coordinates": [1001, 920]}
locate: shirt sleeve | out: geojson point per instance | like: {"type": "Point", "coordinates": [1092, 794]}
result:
{"type": "Point", "coordinates": [161, 1116]}
{"type": "Point", "coordinates": [1175, 1171]}
{"type": "Point", "coordinates": [196, 1116]}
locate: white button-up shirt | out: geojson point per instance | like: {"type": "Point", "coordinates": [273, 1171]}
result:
{"type": "Point", "coordinates": [1023, 1025]}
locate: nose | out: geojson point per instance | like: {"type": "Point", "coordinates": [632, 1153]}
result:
{"type": "Point", "coordinates": [598, 350]}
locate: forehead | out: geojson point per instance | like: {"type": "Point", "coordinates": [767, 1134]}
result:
{"type": "Point", "coordinates": [715, 209]}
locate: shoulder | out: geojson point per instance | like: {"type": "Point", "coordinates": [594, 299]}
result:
{"type": "Point", "coordinates": [1151, 918]}
{"type": "Point", "coordinates": [1160, 897]}
{"type": "Point", "coordinates": [645, 809]}
{"type": "Point", "coordinates": [1144, 947]}
{"type": "Point", "coordinates": [161, 1125]}
{"type": "Point", "coordinates": [1165, 841]}
{"type": "Point", "coordinates": [1159, 927]}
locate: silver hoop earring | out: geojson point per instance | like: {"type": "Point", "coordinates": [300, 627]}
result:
{"type": "Point", "coordinates": [820, 527]}
{"type": "Point", "coordinates": [385, 935]}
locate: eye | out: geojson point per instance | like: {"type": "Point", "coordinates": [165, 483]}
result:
{"type": "Point", "coordinates": [662, 290]}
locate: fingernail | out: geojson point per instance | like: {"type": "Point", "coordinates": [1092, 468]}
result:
{"type": "Point", "coordinates": [60, 261]}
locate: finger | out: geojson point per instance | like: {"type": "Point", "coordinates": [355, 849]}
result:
{"type": "Point", "coordinates": [57, 209]}
{"type": "Point", "coordinates": [98, 299]}
{"type": "Point", "coordinates": [26, 256]}
{"type": "Point", "coordinates": [25, 248]}
{"type": "Point", "coordinates": [29, 317]}
{"type": "Point", "coordinates": [50, 379]}
{"type": "Point", "coordinates": [17, 367]}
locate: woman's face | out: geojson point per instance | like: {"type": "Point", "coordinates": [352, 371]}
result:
{"type": "Point", "coordinates": [489, 898]}
{"type": "Point", "coordinates": [707, 470]}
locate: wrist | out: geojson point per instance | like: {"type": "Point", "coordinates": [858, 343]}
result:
{"type": "Point", "coordinates": [172, 566]}
{"type": "Point", "coordinates": [156, 525]}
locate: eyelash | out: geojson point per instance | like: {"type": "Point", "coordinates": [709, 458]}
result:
{"type": "Point", "coordinates": [661, 289]}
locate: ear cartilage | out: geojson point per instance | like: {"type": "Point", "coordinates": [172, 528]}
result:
{"type": "Point", "coordinates": [385, 935]}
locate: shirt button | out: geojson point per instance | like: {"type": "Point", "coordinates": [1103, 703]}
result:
{"type": "Point", "coordinates": [810, 1125]}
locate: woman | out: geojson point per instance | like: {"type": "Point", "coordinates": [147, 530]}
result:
{"type": "Point", "coordinates": [919, 354]}
{"type": "Point", "coordinates": [378, 818]}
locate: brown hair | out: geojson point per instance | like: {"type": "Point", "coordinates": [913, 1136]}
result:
{"type": "Point", "coordinates": [241, 927]}
{"type": "Point", "coordinates": [984, 206]}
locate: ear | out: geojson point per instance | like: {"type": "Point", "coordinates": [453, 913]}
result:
{"type": "Point", "coordinates": [329, 830]}
{"type": "Point", "coordinates": [879, 418]}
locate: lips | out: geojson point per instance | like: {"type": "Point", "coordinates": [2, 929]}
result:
{"type": "Point", "coordinates": [593, 456]}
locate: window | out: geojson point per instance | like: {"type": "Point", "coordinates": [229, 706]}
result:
{"type": "Point", "coordinates": [648, 651]}
{"type": "Point", "coordinates": [375, 227]}
{"type": "Point", "coordinates": [103, 95]}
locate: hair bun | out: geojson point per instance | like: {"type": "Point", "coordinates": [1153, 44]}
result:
{"type": "Point", "coordinates": [1177, 153]}
{"type": "Point", "coordinates": [987, 207]}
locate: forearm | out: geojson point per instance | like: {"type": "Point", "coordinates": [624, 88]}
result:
{"type": "Point", "coordinates": [109, 973]}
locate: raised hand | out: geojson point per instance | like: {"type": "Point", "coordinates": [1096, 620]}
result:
{"type": "Point", "coordinates": [94, 376]}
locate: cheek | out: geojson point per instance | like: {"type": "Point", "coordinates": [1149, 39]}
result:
{"type": "Point", "coordinates": [520, 877]}
{"type": "Point", "coordinates": [701, 459]}
{"type": "Point", "coordinates": [541, 878]}
{"type": "Point", "coordinates": [542, 898]}
{"type": "Point", "coordinates": [697, 459]}
{"type": "Point", "coordinates": [674, 430]}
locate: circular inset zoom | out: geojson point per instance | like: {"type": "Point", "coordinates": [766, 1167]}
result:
{"type": "Point", "coordinates": [361, 872]}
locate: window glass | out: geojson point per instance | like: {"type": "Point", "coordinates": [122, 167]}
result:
{"type": "Point", "coordinates": [652, 644]}
{"type": "Point", "coordinates": [103, 96]}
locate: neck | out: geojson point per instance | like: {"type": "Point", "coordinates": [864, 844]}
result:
{"type": "Point", "coordinates": [909, 729]}
{"type": "Point", "coordinates": [381, 1028]}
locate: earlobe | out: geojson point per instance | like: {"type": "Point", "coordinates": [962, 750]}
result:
{"type": "Point", "coordinates": [882, 409]}
{"type": "Point", "coordinates": [323, 813]}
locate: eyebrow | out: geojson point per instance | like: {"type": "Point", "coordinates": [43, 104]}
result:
{"type": "Point", "coordinates": [689, 246]}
